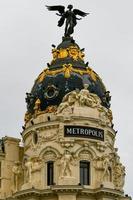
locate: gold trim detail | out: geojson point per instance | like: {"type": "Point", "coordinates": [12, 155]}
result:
{"type": "Point", "coordinates": [51, 109]}
{"type": "Point", "coordinates": [72, 52]}
{"type": "Point", "coordinates": [67, 69]}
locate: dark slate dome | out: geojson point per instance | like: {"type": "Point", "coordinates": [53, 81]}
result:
{"type": "Point", "coordinates": [65, 73]}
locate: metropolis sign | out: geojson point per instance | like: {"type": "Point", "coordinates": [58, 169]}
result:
{"type": "Point", "coordinates": [84, 132]}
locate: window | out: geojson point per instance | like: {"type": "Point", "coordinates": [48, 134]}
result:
{"type": "Point", "coordinates": [50, 173]}
{"type": "Point", "coordinates": [35, 138]}
{"type": "Point", "coordinates": [110, 173]}
{"type": "Point", "coordinates": [48, 118]}
{"type": "Point", "coordinates": [84, 172]}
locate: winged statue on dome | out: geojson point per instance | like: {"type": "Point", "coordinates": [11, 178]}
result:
{"type": "Point", "coordinates": [69, 17]}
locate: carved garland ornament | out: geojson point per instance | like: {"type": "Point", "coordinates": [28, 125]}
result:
{"type": "Point", "coordinates": [73, 52]}
{"type": "Point", "coordinates": [67, 69]}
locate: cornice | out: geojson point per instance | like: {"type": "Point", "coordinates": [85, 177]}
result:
{"type": "Point", "coordinates": [57, 189]}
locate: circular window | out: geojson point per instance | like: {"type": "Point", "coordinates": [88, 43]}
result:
{"type": "Point", "coordinates": [51, 92]}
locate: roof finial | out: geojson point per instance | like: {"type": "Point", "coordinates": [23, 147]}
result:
{"type": "Point", "coordinates": [69, 17]}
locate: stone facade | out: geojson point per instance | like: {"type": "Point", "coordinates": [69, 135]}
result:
{"type": "Point", "coordinates": [24, 170]}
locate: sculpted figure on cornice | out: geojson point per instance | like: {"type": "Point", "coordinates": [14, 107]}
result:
{"type": "Point", "coordinates": [36, 168]}
{"type": "Point", "coordinates": [32, 167]}
{"type": "Point", "coordinates": [88, 99]}
{"type": "Point", "coordinates": [104, 165]}
{"type": "Point", "coordinates": [107, 166]}
{"type": "Point", "coordinates": [36, 165]}
{"type": "Point", "coordinates": [69, 100]}
{"type": "Point", "coordinates": [110, 169]}
{"type": "Point", "coordinates": [118, 172]}
{"type": "Point", "coordinates": [17, 173]}
{"type": "Point", "coordinates": [27, 170]}
{"type": "Point", "coordinates": [85, 98]}
{"type": "Point", "coordinates": [119, 176]}
{"type": "Point", "coordinates": [65, 164]}
{"type": "Point", "coordinates": [79, 98]}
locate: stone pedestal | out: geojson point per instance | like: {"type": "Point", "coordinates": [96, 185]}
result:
{"type": "Point", "coordinates": [67, 180]}
{"type": "Point", "coordinates": [26, 186]}
{"type": "Point", "coordinates": [66, 196]}
{"type": "Point", "coordinates": [108, 184]}
{"type": "Point", "coordinates": [84, 111]}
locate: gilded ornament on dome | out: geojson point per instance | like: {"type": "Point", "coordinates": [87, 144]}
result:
{"type": "Point", "coordinates": [51, 109]}
{"type": "Point", "coordinates": [63, 53]}
{"type": "Point", "coordinates": [37, 108]}
{"type": "Point", "coordinates": [54, 72]}
{"type": "Point", "coordinates": [73, 52]}
{"type": "Point", "coordinates": [67, 68]}
{"type": "Point", "coordinates": [92, 74]}
{"type": "Point", "coordinates": [42, 76]}
{"type": "Point", "coordinates": [55, 54]}
{"type": "Point", "coordinates": [37, 104]}
{"type": "Point", "coordinates": [81, 55]}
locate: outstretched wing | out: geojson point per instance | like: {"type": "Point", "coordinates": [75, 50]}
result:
{"type": "Point", "coordinates": [79, 12]}
{"type": "Point", "coordinates": [60, 9]}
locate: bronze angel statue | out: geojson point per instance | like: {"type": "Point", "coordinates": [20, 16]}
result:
{"type": "Point", "coordinates": [69, 17]}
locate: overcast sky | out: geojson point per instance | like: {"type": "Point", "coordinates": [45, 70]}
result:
{"type": "Point", "coordinates": [27, 31]}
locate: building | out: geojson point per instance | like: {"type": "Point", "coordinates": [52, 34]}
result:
{"type": "Point", "coordinates": [68, 136]}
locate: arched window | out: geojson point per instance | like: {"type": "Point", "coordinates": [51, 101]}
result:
{"type": "Point", "coordinates": [84, 172]}
{"type": "Point", "coordinates": [50, 173]}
